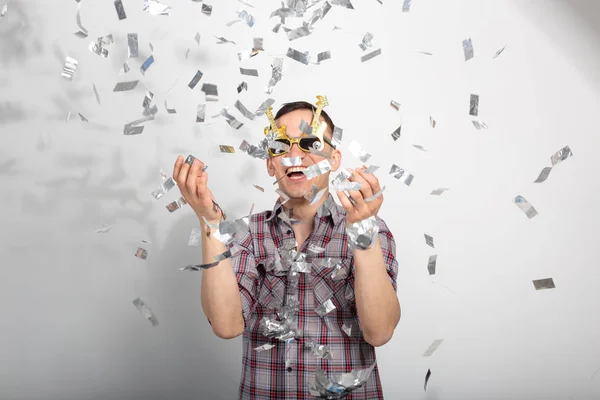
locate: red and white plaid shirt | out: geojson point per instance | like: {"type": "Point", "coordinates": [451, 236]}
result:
{"type": "Point", "coordinates": [265, 374]}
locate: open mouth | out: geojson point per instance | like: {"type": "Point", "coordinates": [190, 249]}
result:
{"type": "Point", "coordinates": [296, 173]}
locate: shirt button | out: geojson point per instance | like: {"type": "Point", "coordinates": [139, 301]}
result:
{"type": "Point", "coordinates": [289, 231]}
{"type": "Point", "coordinates": [289, 369]}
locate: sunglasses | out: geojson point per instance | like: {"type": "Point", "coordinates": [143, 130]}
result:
{"type": "Point", "coordinates": [305, 143]}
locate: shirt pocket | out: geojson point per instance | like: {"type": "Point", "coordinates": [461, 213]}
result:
{"type": "Point", "coordinates": [326, 286]}
{"type": "Point", "coordinates": [271, 292]}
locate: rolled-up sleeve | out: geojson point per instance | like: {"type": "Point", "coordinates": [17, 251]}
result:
{"type": "Point", "coordinates": [388, 248]}
{"type": "Point", "coordinates": [244, 268]}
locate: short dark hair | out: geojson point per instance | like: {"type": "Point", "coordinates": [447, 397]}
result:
{"type": "Point", "coordinates": [304, 105]}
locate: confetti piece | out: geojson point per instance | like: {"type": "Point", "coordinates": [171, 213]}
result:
{"type": "Point", "coordinates": [437, 192]}
{"type": "Point", "coordinates": [245, 112]}
{"type": "Point", "coordinates": [303, 58]}
{"type": "Point", "coordinates": [317, 169]}
{"type": "Point", "coordinates": [325, 308]}
{"type": "Point", "coordinates": [291, 161]}
{"type": "Point", "coordinates": [436, 343]}
{"type": "Point", "coordinates": [358, 152]}
{"type": "Point", "coordinates": [369, 56]}
{"type": "Point", "coordinates": [371, 169]}
{"type": "Point", "coordinates": [425, 53]}
{"type": "Point", "coordinates": [187, 53]}
{"type": "Point", "coordinates": [96, 93]}
{"type": "Point", "coordinates": [299, 32]}
{"type": "Point", "coordinates": [226, 149]}
{"type": "Point", "coordinates": [120, 10]}
{"type": "Point", "coordinates": [218, 258]}
{"type": "Point", "coordinates": [234, 123]}
{"type": "Point", "coordinates": [547, 283]}
{"type": "Point", "coordinates": [151, 47]}
{"type": "Point", "coordinates": [479, 125]}
{"type": "Point", "coordinates": [126, 67]}
{"type": "Point", "coordinates": [84, 119]}
{"type": "Point", "coordinates": [197, 38]}
{"type": "Point", "coordinates": [146, 312]}
{"type": "Point", "coordinates": [418, 146]}
{"type": "Point", "coordinates": [132, 45]}
{"type": "Point", "coordinates": [343, 3]}
{"type": "Point", "coordinates": [200, 112]}
{"type": "Point", "coordinates": [561, 155]}
{"type": "Point", "coordinates": [195, 79]}
{"type": "Point", "coordinates": [132, 129]}
{"type": "Point", "coordinates": [396, 133]}
{"type": "Point", "coordinates": [525, 207]}
{"type": "Point", "coordinates": [427, 378]}
{"type": "Point", "coordinates": [499, 52]}
{"type": "Point", "coordinates": [69, 68]}
{"type": "Point", "coordinates": [164, 188]}
{"type": "Point", "coordinates": [242, 86]}
{"type": "Point", "coordinates": [68, 116]}
{"type": "Point", "coordinates": [264, 347]}
{"type": "Point", "coordinates": [176, 205]}
{"type": "Point", "coordinates": [264, 107]}
{"type": "Point", "coordinates": [83, 33]}
{"type": "Point", "coordinates": [259, 188]}
{"type": "Point", "coordinates": [276, 73]}
{"type": "Point", "coordinates": [249, 72]}
{"type": "Point", "coordinates": [153, 7]}
{"type": "Point", "coordinates": [222, 40]}
{"type": "Point", "coordinates": [276, 28]}
{"type": "Point", "coordinates": [141, 253]}
{"type": "Point", "coordinates": [325, 55]}
{"type": "Point", "coordinates": [125, 86]}
{"type": "Point", "coordinates": [170, 110]}
{"type": "Point", "coordinates": [401, 175]}
{"type": "Point", "coordinates": [432, 122]}
{"type": "Point", "coordinates": [429, 240]}
{"type": "Point", "coordinates": [211, 92]}
{"type": "Point", "coordinates": [195, 236]}
{"type": "Point", "coordinates": [474, 105]}
{"type": "Point", "coordinates": [206, 9]}
{"type": "Point", "coordinates": [97, 49]}
{"type": "Point", "coordinates": [395, 105]}
{"type": "Point", "coordinates": [431, 264]}
{"type": "Point", "coordinates": [367, 41]}
{"type": "Point", "coordinates": [543, 175]}
{"type": "Point", "coordinates": [104, 228]}
{"type": "Point", "coordinates": [149, 61]}
{"type": "Point", "coordinates": [406, 5]}
{"type": "Point", "coordinates": [468, 49]}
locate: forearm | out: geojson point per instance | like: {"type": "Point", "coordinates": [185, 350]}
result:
{"type": "Point", "coordinates": [219, 294]}
{"type": "Point", "coordinates": [376, 301]}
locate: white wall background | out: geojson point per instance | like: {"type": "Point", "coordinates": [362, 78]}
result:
{"type": "Point", "coordinates": [68, 327]}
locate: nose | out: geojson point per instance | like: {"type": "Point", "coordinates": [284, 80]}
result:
{"type": "Point", "coordinates": [295, 150]}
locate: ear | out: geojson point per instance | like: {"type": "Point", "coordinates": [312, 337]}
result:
{"type": "Point", "coordinates": [270, 167]}
{"type": "Point", "coordinates": [335, 160]}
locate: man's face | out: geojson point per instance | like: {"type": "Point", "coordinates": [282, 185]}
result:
{"type": "Point", "coordinates": [296, 185]}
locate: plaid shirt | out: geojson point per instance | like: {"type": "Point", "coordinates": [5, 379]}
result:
{"type": "Point", "coordinates": [265, 374]}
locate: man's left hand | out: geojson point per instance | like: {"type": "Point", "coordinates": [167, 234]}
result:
{"type": "Point", "coordinates": [358, 209]}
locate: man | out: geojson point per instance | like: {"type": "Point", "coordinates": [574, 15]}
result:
{"type": "Point", "coordinates": [311, 297]}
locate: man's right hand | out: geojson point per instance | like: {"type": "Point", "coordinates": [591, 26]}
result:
{"type": "Point", "coordinates": [192, 183]}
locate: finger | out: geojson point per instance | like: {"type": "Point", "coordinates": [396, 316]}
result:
{"type": "Point", "coordinates": [182, 179]}
{"type": "Point", "coordinates": [371, 180]}
{"type": "Point", "coordinates": [190, 182]}
{"type": "Point", "coordinates": [177, 167]}
{"type": "Point", "coordinates": [345, 202]}
{"type": "Point", "coordinates": [365, 187]}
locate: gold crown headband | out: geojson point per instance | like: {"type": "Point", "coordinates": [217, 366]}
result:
{"type": "Point", "coordinates": [318, 129]}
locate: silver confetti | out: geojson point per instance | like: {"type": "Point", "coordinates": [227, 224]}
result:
{"type": "Point", "coordinates": [547, 283]}
{"type": "Point", "coordinates": [543, 175]}
{"type": "Point", "coordinates": [120, 10]}
{"type": "Point", "coordinates": [264, 107]}
{"type": "Point", "coordinates": [243, 15]}
{"type": "Point", "coordinates": [376, 195]}
{"type": "Point", "coordinates": [247, 54]}
{"type": "Point", "coordinates": [336, 139]}
{"type": "Point", "coordinates": [418, 146]}
{"type": "Point", "coordinates": [234, 123]}
{"type": "Point", "coordinates": [499, 52]}
{"type": "Point", "coordinates": [84, 119]}
{"type": "Point", "coordinates": [299, 32]}
{"type": "Point", "coordinates": [259, 188]}
{"type": "Point", "coordinates": [367, 41]}
{"type": "Point", "coordinates": [395, 105]}
{"type": "Point", "coordinates": [164, 187]}
{"type": "Point", "coordinates": [200, 112]}
{"type": "Point", "coordinates": [325, 308]}
{"type": "Point", "coordinates": [147, 100]}
{"type": "Point", "coordinates": [325, 55]}
{"type": "Point", "coordinates": [474, 105]}
{"type": "Point", "coordinates": [197, 38]}
{"type": "Point", "coordinates": [245, 112]}
{"type": "Point", "coordinates": [431, 264]}
{"type": "Point", "coordinates": [264, 347]}
{"type": "Point", "coordinates": [524, 205]}
{"type": "Point", "coordinates": [132, 45]}
{"type": "Point", "coordinates": [254, 151]}
{"type": "Point", "coordinates": [284, 196]}
{"type": "Point", "coordinates": [146, 311]}
{"type": "Point", "coordinates": [358, 152]}
{"type": "Point", "coordinates": [195, 79]}
{"type": "Point", "coordinates": [83, 33]}
{"type": "Point", "coordinates": [195, 237]}
{"type": "Point", "coordinates": [303, 58]}
{"type": "Point", "coordinates": [151, 47]}
{"type": "Point", "coordinates": [132, 129]}
{"type": "Point", "coordinates": [276, 73]}
{"type": "Point", "coordinates": [96, 93]}
{"type": "Point", "coordinates": [432, 122]}
{"type": "Point", "coordinates": [427, 375]}
{"type": "Point", "coordinates": [68, 116]}
{"type": "Point", "coordinates": [371, 169]}
{"type": "Point", "coordinates": [125, 86]}
{"type": "Point", "coordinates": [69, 68]}
{"type": "Point", "coordinates": [276, 28]}
{"type": "Point", "coordinates": [346, 186]}
{"type": "Point", "coordinates": [222, 40]}
{"type": "Point", "coordinates": [396, 133]}
{"type": "Point", "coordinates": [406, 5]}
{"type": "Point", "coordinates": [248, 71]}
{"type": "Point", "coordinates": [218, 258]}
{"type": "Point", "coordinates": [126, 67]}
{"type": "Point", "coordinates": [97, 49]}
{"type": "Point", "coordinates": [170, 110]}
{"type": "Point", "coordinates": [363, 234]}
{"type": "Point", "coordinates": [343, 3]}
{"type": "Point", "coordinates": [176, 205]}
{"type": "Point", "coordinates": [305, 127]}
{"type": "Point", "coordinates": [153, 7]}
{"type": "Point", "coordinates": [401, 175]}
{"type": "Point", "coordinates": [429, 240]}
{"type": "Point", "coordinates": [479, 125]}
{"type": "Point", "coordinates": [320, 351]}
{"type": "Point", "coordinates": [187, 53]}
{"type": "Point", "coordinates": [206, 9]}
{"type": "Point", "coordinates": [315, 170]}
{"type": "Point", "coordinates": [343, 175]}
{"type": "Point", "coordinates": [104, 228]}
{"type": "Point", "coordinates": [437, 192]}
{"type": "Point", "coordinates": [342, 384]}
{"type": "Point", "coordinates": [242, 86]}
{"type": "Point", "coordinates": [561, 155]}
{"type": "Point", "coordinates": [468, 49]}
{"type": "Point", "coordinates": [141, 253]}
{"type": "Point", "coordinates": [149, 61]}
{"type": "Point", "coordinates": [436, 343]}
{"type": "Point", "coordinates": [369, 56]}
{"type": "Point", "coordinates": [211, 91]}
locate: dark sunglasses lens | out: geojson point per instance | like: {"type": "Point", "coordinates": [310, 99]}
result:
{"type": "Point", "coordinates": [281, 149]}
{"type": "Point", "coordinates": [310, 143]}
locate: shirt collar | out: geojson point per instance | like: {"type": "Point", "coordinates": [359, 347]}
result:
{"type": "Point", "coordinates": [329, 208]}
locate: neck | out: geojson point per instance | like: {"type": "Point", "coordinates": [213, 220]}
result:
{"type": "Point", "coordinates": [303, 210]}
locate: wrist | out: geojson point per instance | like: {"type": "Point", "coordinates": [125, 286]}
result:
{"type": "Point", "coordinates": [362, 235]}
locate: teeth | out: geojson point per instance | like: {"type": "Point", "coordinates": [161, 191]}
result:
{"type": "Point", "coordinates": [295, 169]}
